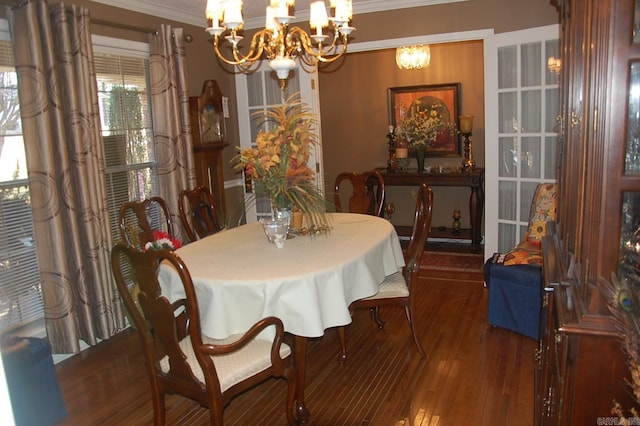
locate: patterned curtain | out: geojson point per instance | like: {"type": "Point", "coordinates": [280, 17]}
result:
{"type": "Point", "coordinates": [61, 128]}
{"type": "Point", "coordinates": [170, 103]}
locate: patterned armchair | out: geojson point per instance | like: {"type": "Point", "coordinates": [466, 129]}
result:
{"type": "Point", "coordinates": [514, 278]}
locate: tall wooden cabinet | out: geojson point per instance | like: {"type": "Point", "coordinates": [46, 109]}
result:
{"type": "Point", "coordinates": [208, 133]}
{"type": "Point", "coordinates": [581, 364]}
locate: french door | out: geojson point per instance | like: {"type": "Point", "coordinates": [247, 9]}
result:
{"type": "Point", "coordinates": [522, 85]}
{"type": "Point", "coordinates": [256, 93]}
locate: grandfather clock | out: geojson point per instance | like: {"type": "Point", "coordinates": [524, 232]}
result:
{"type": "Point", "coordinates": [207, 127]}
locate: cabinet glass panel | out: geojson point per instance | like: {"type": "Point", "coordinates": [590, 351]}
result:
{"type": "Point", "coordinates": [636, 23]}
{"type": "Point", "coordinates": [632, 157]}
{"type": "Point", "coordinates": [629, 268]}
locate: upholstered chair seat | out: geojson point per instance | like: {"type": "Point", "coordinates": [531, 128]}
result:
{"type": "Point", "coordinates": [232, 368]}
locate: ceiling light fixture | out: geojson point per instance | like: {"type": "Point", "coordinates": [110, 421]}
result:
{"type": "Point", "coordinates": [413, 57]}
{"type": "Point", "coordinates": [278, 42]}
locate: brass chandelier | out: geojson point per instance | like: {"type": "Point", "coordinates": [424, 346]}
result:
{"type": "Point", "coordinates": [278, 42]}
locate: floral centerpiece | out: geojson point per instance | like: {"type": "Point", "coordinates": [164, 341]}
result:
{"type": "Point", "coordinates": [279, 160]}
{"type": "Point", "coordinates": [421, 125]}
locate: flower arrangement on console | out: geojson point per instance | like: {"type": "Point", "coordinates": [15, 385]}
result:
{"type": "Point", "coordinates": [422, 123]}
{"type": "Point", "coordinates": [279, 160]}
{"type": "Point", "coordinates": [162, 241]}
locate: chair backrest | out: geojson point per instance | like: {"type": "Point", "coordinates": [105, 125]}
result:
{"type": "Point", "coordinates": [367, 195]}
{"type": "Point", "coordinates": [161, 324]}
{"type": "Point", "coordinates": [419, 233]}
{"type": "Point", "coordinates": [138, 219]}
{"type": "Point", "coordinates": [198, 213]}
{"type": "Point", "coordinates": [542, 211]}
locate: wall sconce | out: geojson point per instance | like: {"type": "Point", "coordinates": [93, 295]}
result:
{"type": "Point", "coordinates": [466, 126]}
{"type": "Point", "coordinates": [554, 64]}
{"type": "Point", "coordinates": [413, 57]}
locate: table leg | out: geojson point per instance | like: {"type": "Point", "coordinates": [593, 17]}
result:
{"type": "Point", "coordinates": [300, 359]}
{"type": "Point", "coordinates": [476, 204]}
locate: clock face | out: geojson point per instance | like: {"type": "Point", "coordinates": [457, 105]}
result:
{"type": "Point", "coordinates": [211, 124]}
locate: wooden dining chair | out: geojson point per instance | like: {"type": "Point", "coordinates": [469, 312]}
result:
{"type": "Point", "coordinates": [396, 289]}
{"type": "Point", "coordinates": [138, 219]}
{"type": "Point", "coordinates": [367, 194]}
{"type": "Point", "coordinates": [179, 359]}
{"type": "Point", "coordinates": [198, 213]}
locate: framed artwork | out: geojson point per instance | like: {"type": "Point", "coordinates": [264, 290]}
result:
{"type": "Point", "coordinates": [405, 100]}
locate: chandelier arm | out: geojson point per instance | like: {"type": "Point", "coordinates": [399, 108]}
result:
{"type": "Point", "coordinates": [325, 54]}
{"type": "Point", "coordinates": [255, 50]}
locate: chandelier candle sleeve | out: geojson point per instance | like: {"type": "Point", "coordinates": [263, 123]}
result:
{"type": "Point", "coordinates": [318, 17]}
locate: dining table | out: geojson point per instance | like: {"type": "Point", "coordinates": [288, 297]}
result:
{"type": "Point", "coordinates": [309, 283]}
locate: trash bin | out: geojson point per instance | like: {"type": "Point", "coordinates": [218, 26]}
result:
{"type": "Point", "coordinates": [32, 382]}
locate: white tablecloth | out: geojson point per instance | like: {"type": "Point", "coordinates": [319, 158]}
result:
{"type": "Point", "coordinates": [309, 284]}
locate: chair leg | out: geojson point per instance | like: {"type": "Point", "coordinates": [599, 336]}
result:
{"type": "Point", "coordinates": [158, 409]}
{"type": "Point", "coordinates": [414, 332]}
{"type": "Point", "coordinates": [375, 314]}
{"type": "Point", "coordinates": [343, 345]}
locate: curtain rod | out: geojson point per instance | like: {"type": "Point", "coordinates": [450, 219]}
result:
{"type": "Point", "coordinates": [124, 26]}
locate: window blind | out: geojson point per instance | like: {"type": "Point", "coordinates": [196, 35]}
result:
{"type": "Point", "coordinates": [125, 115]}
{"type": "Point", "coordinates": [20, 294]}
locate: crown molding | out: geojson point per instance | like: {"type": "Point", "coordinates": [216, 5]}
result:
{"type": "Point", "coordinates": [192, 13]}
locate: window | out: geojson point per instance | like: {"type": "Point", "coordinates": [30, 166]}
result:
{"type": "Point", "coordinates": [20, 296]}
{"type": "Point", "coordinates": [125, 114]}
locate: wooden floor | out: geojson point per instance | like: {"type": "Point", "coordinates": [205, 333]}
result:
{"type": "Point", "coordinates": [473, 374]}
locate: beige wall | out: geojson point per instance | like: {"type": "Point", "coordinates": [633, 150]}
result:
{"type": "Point", "coordinates": [353, 95]}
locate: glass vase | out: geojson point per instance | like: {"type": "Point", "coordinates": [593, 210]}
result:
{"type": "Point", "coordinates": [420, 158]}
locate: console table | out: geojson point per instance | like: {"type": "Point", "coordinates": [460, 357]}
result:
{"type": "Point", "coordinates": [473, 179]}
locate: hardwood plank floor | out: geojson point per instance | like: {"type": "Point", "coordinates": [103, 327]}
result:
{"type": "Point", "coordinates": [473, 374]}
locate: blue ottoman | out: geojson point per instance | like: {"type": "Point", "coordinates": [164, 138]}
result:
{"type": "Point", "coordinates": [515, 297]}
{"type": "Point", "coordinates": [31, 379]}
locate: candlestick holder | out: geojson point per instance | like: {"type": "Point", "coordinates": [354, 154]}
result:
{"type": "Point", "coordinates": [468, 163]}
{"type": "Point", "coordinates": [389, 209]}
{"type": "Point", "coordinates": [456, 222]}
{"type": "Point", "coordinates": [466, 125]}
